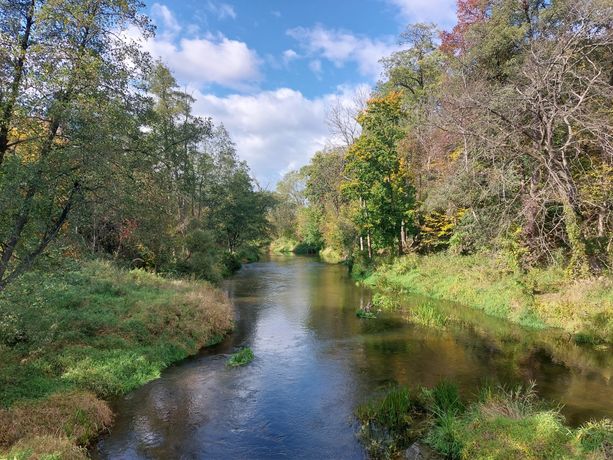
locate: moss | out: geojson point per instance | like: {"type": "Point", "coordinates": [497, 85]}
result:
{"type": "Point", "coordinates": [86, 332]}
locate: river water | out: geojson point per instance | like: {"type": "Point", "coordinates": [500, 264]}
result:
{"type": "Point", "coordinates": [315, 361]}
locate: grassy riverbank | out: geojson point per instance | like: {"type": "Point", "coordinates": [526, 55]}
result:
{"type": "Point", "coordinates": [75, 335]}
{"type": "Point", "coordinates": [537, 299]}
{"type": "Point", "coordinates": [499, 424]}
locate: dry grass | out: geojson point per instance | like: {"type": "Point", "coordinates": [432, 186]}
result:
{"type": "Point", "coordinates": [45, 448]}
{"type": "Point", "coordinates": [76, 416]}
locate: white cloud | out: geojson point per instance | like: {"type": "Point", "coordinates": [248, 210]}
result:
{"type": "Point", "coordinates": [340, 47]}
{"type": "Point", "coordinates": [221, 10]}
{"type": "Point", "coordinates": [315, 66]}
{"type": "Point", "coordinates": [441, 12]}
{"type": "Point", "coordinates": [200, 60]}
{"type": "Point", "coordinates": [274, 131]}
{"type": "Point", "coordinates": [164, 17]}
{"type": "Point", "coordinates": [209, 60]}
{"type": "Point", "coordinates": [289, 55]}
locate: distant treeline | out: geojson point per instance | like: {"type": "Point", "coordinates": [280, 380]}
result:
{"type": "Point", "coordinates": [100, 152]}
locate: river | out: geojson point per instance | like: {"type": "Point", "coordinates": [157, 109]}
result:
{"type": "Point", "coordinates": [315, 361]}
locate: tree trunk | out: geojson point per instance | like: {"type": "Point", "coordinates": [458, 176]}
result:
{"type": "Point", "coordinates": [7, 111]}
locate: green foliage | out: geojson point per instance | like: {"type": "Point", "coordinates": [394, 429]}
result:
{"type": "Point", "coordinates": [331, 256]}
{"type": "Point", "coordinates": [595, 437]}
{"type": "Point", "coordinates": [365, 314]}
{"type": "Point", "coordinates": [283, 246]}
{"type": "Point", "coordinates": [375, 173]}
{"type": "Point", "coordinates": [241, 358]}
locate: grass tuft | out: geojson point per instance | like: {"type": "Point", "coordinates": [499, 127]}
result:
{"type": "Point", "coordinates": [390, 422]}
{"type": "Point", "coordinates": [241, 358]}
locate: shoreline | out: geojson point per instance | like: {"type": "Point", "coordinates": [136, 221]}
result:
{"type": "Point", "coordinates": [540, 299]}
{"type": "Point", "coordinates": [111, 331]}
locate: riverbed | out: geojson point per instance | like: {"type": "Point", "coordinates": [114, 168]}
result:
{"type": "Point", "coordinates": [315, 361]}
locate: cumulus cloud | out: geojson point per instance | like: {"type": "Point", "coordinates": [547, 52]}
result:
{"type": "Point", "coordinates": [441, 12]}
{"type": "Point", "coordinates": [215, 59]}
{"type": "Point", "coordinates": [200, 60]}
{"type": "Point", "coordinates": [274, 131]}
{"type": "Point", "coordinates": [341, 47]}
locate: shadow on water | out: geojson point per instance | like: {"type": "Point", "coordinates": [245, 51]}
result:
{"type": "Point", "coordinates": [315, 361]}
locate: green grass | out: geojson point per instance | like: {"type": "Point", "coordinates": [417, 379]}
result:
{"type": "Point", "coordinates": [500, 424]}
{"type": "Point", "coordinates": [389, 423]}
{"type": "Point", "coordinates": [93, 327]}
{"type": "Point", "coordinates": [241, 358]}
{"type": "Point", "coordinates": [538, 299]}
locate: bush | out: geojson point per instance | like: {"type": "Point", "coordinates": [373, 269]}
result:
{"type": "Point", "coordinates": [283, 246]}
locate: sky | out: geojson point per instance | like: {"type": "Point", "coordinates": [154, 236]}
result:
{"type": "Point", "coordinates": [270, 69]}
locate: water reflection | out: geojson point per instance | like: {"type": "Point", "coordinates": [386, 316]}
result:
{"type": "Point", "coordinates": [315, 361]}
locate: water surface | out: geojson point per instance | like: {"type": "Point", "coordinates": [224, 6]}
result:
{"type": "Point", "coordinates": [315, 361]}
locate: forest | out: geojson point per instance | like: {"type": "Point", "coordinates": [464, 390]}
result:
{"type": "Point", "coordinates": [478, 170]}
{"type": "Point", "coordinates": [484, 152]}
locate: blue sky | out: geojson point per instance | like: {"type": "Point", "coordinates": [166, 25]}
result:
{"type": "Point", "coordinates": [270, 69]}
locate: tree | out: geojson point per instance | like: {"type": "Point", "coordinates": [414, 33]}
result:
{"type": "Point", "coordinates": [376, 176]}
{"type": "Point", "coordinates": [65, 88]}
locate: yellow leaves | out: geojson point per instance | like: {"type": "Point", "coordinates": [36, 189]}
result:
{"type": "Point", "coordinates": [438, 227]}
{"type": "Point", "coordinates": [456, 153]}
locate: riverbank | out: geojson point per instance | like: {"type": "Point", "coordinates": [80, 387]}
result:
{"type": "Point", "coordinates": [73, 336]}
{"type": "Point", "coordinates": [541, 298]}
{"type": "Point", "coordinates": [501, 423]}
{"type": "Point", "coordinates": [287, 246]}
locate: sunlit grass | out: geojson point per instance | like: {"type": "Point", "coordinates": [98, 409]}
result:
{"type": "Point", "coordinates": [537, 299]}
{"type": "Point", "coordinates": [502, 423]}
{"type": "Point", "coordinates": [98, 329]}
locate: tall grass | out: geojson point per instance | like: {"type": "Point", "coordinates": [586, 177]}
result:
{"type": "Point", "coordinates": [85, 332]}
{"type": "Point", "coordinates": [501, 424]}
{"type": "Point", "coordinates": [390, 422]}
{"type": "Point", "coordinates": [537, 299]}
